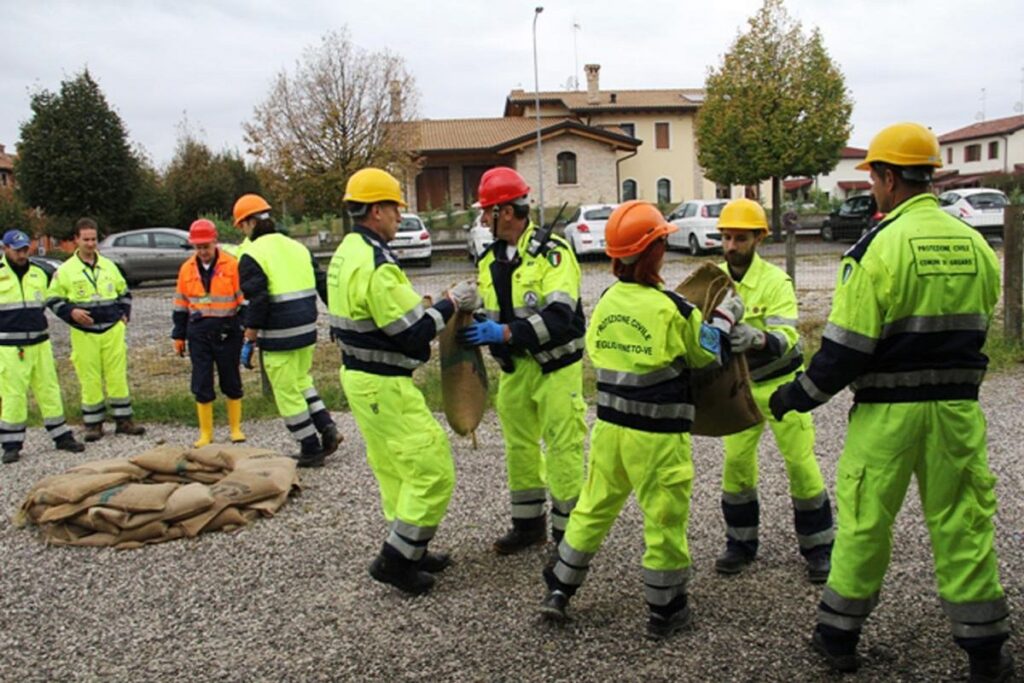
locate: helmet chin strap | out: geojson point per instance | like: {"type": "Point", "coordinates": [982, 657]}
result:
{"type": "Point", "coordinates": [495, 212]}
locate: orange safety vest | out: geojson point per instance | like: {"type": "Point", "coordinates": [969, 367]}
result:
{"type": "Point", "coordinates": [225, 296]}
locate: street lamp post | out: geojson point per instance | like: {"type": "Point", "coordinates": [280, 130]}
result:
{"type": "Point", "coordinates": [536, 104]}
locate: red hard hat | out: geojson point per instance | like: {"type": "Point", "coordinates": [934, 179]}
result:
{"type": "Point", "coordinates": [202, 231]}
{"type": "Point", "coordinates": [501, 185]}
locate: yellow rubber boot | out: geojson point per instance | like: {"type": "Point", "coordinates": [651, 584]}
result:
{"type": "Point", "coordinates": [205, 412]}
{"type": "Point", "coordinates": [235, 420]}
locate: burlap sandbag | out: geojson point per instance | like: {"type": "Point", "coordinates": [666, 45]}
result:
{"type": "Point", "coordinates": [126, 497]}
{"type": "Point", "coordinates": [169, 460]}
{"type": "Point", "coordinates": [72, 487]}
{"type": "Point", "coordinates": [721, 396]}
{"type": "Point", "coordinates": [463, 378]}
{"type": "Point", "coordinates": [111, 465]}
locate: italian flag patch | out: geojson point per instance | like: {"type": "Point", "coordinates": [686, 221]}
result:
{"type": "Point", "coordinates": [554, 258]}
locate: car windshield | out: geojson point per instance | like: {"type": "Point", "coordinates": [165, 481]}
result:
{"type": "Point", "coordinates": [715, 210]}
{"type": "Point", "coordinates": [410, 225]}
{"type": "Point", "coordinates": [987, 200]}
{"type": "Point", "coordinates": [598, 214]}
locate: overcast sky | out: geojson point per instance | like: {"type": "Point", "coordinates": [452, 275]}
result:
{"type": "Point", "coordinates": [921, 60]}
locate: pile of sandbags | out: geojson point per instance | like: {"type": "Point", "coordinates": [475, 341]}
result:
{"type": "Point", "coordinates": [166, 493]}
{"type": "Point", "coordinates": [721, 397]}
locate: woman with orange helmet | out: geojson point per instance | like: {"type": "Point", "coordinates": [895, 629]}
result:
{"type": "Point", "coordinates": [644, 342]}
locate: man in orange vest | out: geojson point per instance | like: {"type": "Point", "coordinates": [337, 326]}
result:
{"type": "Point", "coordinates": [206, 318]}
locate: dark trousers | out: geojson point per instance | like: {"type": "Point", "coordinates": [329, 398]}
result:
{"type": "Point", "coordinates": [215, 341]}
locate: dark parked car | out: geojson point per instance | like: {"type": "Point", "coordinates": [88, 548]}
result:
{"type": "Point", "coordinates": [147, 254]}
{"type": "Point", "coordinates": [853, 218]}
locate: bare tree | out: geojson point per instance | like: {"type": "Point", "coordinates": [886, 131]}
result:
{"type": "Point", "coordinates": [342, 109]}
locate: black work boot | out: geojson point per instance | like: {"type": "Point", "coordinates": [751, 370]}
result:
{"type": "Point", "coordinates": [554, 606]}
{"type": "Point", "coordinates": [93, 432]}
{"type": "Point", "coordinates": [661, 626]}
{"type": "Point", "coordinates": [435, 563]}
{"type": "Point", "coordinates": [127, 426]}
{"type": "Point", "coordinates": [818, 567]}
{"type": "Point", "coordinates": [523, 534]}
{"type": "Point", "coordinates": [991, 669]}
{"type": "Point", "coordinates": [310, 455]}
{"type": "Point", "coordinates": [733, 561]}
{"type": "Point", "coordinates": [11, 455]}
{"type": "Point", "coordinates": [67, 442]}
{"type": "Point", "coordinates": [331, 439]}
{"type": "Point", "coordinates": [391, 568]}
{"type": "Point", "coordinates": [839, 656]}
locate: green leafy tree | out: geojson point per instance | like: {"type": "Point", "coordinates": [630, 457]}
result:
{"type": "Point", "coordinates": [340, 111]}
{"type": "Point", "coordinates": [151, 204]}
{"type": "Point", "coordinates": [777, 106]}
{"type": "Point", "coordinates": [74, 158]}
{"type": "Point", "coordinates": [202, 183]}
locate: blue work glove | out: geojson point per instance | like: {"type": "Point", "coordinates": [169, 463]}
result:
{"type": "Point", "coordinates": [247, 349]}
{"type": "Point", "coordinates": [777, 404]}
{"type": "Point", "coordinates": [484, 332]}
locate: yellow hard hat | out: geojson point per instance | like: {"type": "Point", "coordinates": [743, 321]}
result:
{"type": "Point", "coordinates": [372, 185]}
{"type": "Point", "coordinates": [903, 144]}
{"type": "Point", "coordinates": [742, 214]}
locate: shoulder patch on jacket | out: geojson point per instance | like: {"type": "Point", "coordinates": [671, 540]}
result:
{"type": "Point", "coordinates": [685, 307]}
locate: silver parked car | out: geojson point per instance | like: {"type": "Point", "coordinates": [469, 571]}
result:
{"type": "Point", "coordinates": [697, 221]}
{"type": "Point", "coordinates": [147, 254]}
{"type": "Point", "coordinates": [478, 238]}
{"type": "Point", "coordinates": [584, 231]}
{"type": "Point", "coordinates": [979, 207]}
{"type": "Point", "coordinates": [412, 241]}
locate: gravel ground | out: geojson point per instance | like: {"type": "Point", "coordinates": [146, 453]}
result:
{"type": "Point", "coordinates": [289, 598]}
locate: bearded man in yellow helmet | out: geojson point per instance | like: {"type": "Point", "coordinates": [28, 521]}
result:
{"type": "Point", "coordinates": [385, 331]}
{"type": "Point", "coordinates": [769, 337]}
{"type": "Point", "coordinates": [911, 310]}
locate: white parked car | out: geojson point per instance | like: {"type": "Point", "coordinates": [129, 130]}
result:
{"type": "Point", "coordinates": [412, 243]}
{"type": "Point", "coordinates": [478, 238]}
{"type": "Point", "coordinates": [697, 220]}
{"type": "Point", "coordinates": [585, 228]}
{"type": "Point", "coordinates": [979, 207]}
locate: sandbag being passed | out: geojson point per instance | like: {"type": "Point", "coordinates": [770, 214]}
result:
{"type": "Point", "coordinates": [721, 397]}
{"type": "Point", "coordinates": [463, 378]}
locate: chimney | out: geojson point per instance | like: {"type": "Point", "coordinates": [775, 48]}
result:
{"type": "Point", "coordinates": [395, 89]}
{"type": "Point", "coordinates": [614, 97]}
{"type": "Point", "coordinates": [593, 90]}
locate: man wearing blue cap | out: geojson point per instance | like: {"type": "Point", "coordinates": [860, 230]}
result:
{"type": "Point", "coordinates": [26, 356]}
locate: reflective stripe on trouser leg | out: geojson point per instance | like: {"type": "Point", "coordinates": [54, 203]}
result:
{"type": "Point", "coordinates": [844, 614]}
{"type": "Point", "coordinates": [317, 410]}
{"type": "Point", "coordinates": [410, 540]}
{"type": "Point", "coordinates": [46, 389]}
{"type": "Point", "coordinates": [406, 448]}
{"type": "Point", "coordinates": [528, 504]}
{"type": "Point", "coordinates": [571, 568]}
{"type": "Point", "coordinates": [812, 518]}
{"type": "Point", "coordinates": [560, 511]}
{"type": "Point", "coordinates": [532, 406]}
{"type": "Point", "coordinates": [742, 513]}
{"type": "Point", "coordinates": [989, 619]}
{"type": "Point", "coordinates": [661, 587]}
{"type": "Point", "coordinates": [288, 372]}
{"type": "Point", "coordinates": [114, 356]}
{"type": "Point", "coordinates": [14, 383]}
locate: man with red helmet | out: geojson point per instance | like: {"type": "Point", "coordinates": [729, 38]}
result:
{"type": "Point", "coordinates": [534, 327]}
{"type": "Point", "coordinates": [206, 314]}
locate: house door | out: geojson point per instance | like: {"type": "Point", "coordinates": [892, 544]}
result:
{"type": "Point", "coordinates": [432, 188]}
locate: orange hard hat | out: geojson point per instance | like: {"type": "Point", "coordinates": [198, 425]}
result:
{"type": "Point", "coordinates": [202, 231]}
{"type": "Point", "coordinates": [501, 185]}
{"type": "Point", "coordinates": [632, 227]}
{"type": "Point", "coordinates": [247, 205]}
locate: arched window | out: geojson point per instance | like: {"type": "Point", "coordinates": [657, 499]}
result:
{"type": "Point", "coordinates": [628, 190]}
{"type": "Point", "coordinates": [664, 191]}
{"type": "Point", "coordinates": [566, 168]}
